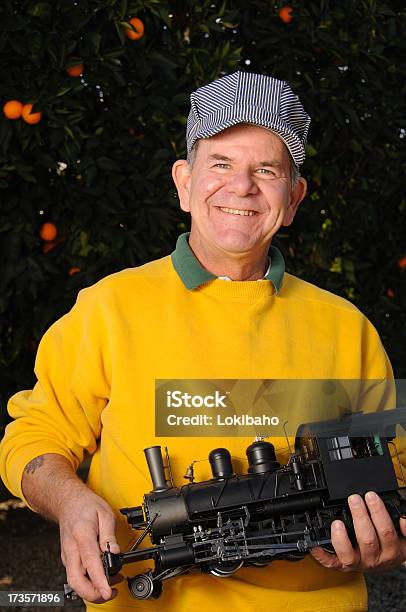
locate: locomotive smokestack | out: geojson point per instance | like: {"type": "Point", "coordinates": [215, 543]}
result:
{"type": "Point", "coordinates": [156, 468]}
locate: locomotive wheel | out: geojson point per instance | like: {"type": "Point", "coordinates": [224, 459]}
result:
{"type": "Point", "coordinates": [223, 570]}
{"type": "Point", "coordinates": [143, 587]}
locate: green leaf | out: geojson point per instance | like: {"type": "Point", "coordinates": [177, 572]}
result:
{"type": "Point", "coordinates": [310, 150]}
{"type": "Point", "coordinates": [63, 91]}
{"type": "Point", "coordinates": [69, 131]}
{"type": "Point", "coordinates": [119, 29]}
{"type": "Point", "coordinates": [85, 248]}
{"type": "Point", "coordinates": [40, 9]}
{"type": "Point", "coordinates": [95, 39]}
{"type": "Point", "coordinates": [122, 8]}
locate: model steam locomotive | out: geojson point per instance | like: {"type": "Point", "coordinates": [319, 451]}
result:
{"type": "Point", "coordinates": [272, 512]}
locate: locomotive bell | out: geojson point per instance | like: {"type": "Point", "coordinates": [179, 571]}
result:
{"type": "Point", "coordinates": [261, 457]}
{"type": "Point", "coordinates": [220, 461]}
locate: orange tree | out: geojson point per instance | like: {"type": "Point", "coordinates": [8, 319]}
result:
{"type": "Point", "coordinates": [92, 155]}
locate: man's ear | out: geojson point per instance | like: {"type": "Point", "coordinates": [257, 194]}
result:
{"type": "Point", "coordinates": [182, 176]}
{"type": "Point", "coordinates": [297, 194]}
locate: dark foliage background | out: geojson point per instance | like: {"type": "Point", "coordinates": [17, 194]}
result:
{"type": "Point", "coordinates": [119, 128]}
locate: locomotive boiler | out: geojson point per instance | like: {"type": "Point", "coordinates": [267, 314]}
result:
{"type": "Point", "coordinates": [272, 512]}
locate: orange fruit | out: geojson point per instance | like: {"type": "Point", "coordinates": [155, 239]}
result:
{"type": "Point", "coordinates": [402, 262]}
{"type": "Point", "coordinates": [286, 14]}
{"type": "Point", "coordinates": [76, 70]}
{"type": "Point", "coordinates": [138, 27]}
{"type": "Point", "coordinates": [13, 109]}
{"type": "Point", "coordinates": [48, 232]}
{"type": "Point", "coordinates": [31, 118]}
{"type": "Point", "coordinates": [73, 271]}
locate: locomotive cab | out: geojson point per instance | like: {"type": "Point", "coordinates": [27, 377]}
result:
{"type": "Point", "coordinates": [350, 458]}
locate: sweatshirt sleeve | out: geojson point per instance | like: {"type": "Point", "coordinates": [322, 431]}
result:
{"type": "Point", "coordinates": [62, 413]}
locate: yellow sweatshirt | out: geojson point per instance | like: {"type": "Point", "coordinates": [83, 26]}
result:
{"type": "Point", "coordinates": [170, 319]}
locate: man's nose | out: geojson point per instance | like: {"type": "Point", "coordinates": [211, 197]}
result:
{"type": "Point", "coordinates": [242, 183]}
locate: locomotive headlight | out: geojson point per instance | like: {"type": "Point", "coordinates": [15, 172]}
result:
{"type": "Point", "coordinates": [135, 516]}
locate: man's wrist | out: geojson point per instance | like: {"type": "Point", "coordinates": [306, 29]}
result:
{"type": "Point", "coordinates": [49, 482]}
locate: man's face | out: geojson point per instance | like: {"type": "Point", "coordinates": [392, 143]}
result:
{"type": "Point", "coordinates": [239, 191]}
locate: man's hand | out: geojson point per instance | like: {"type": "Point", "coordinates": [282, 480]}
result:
{"type": "Point", "coordinates": [379, 546]}
{"type": "Point", "coordinates": [86, 524]}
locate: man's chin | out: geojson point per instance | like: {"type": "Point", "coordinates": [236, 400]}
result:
{"type": "Point", "coordinates": [235, 243]}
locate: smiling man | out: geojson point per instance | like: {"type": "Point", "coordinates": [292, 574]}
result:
{"type": "Point", "coordinates": [239, 193]}
{"type": "Point", "coordinates": [220, 307]}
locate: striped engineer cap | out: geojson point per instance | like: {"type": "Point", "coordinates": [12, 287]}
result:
{"type": "Point", "coordinates": [245, 97]}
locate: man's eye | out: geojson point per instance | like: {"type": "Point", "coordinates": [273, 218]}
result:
{"type": "Point", "coordinates": [221, 166]}
{"type": "Point", "coordinates": [266, 171]}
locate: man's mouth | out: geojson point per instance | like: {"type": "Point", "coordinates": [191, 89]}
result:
{"type": "Point", "coordinates": [235, 211]}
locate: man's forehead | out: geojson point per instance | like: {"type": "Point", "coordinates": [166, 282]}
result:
{"type": "Point", "coordinates": [257, 140]}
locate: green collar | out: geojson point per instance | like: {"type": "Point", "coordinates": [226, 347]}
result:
{"type": "Point", "coordinates": [192, 273]}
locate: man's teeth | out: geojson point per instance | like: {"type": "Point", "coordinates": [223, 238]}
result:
{"type": "Point", "coordinates": [234, 211]}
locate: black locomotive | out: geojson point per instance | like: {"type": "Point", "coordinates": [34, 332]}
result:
{"type": "Point", "coordinates": [272, 512]}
